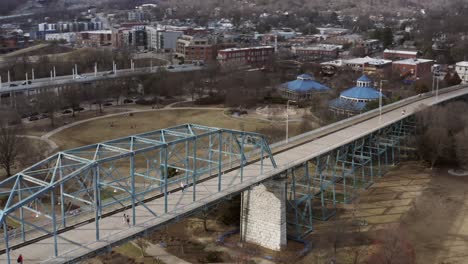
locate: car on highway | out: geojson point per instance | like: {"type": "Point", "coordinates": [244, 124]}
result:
{"type": "Point", "coordinates": [13, 85]}
{"type": "Point", "coordinates": [108, 73]}
{"type": "Point", "coordinates": [80, 77]}
{"type": "Point", "coordinates": [26, 82]}
{"type": "Point", "coordinates": [170, 67]}
{"type": "Point", "coordinates": [67, 111]}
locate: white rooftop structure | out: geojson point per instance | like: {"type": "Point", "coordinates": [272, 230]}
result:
{"type": "Point", "coordinates": [318, 47]}
{"type": "Point", "coordinates": [412, 61]}
{"type": "Point", "coordinates": [408, 52]}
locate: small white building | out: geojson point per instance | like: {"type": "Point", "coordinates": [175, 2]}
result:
{"type": "Point", "coordinates": [69, 37]}
{"type": "Point", "coordinates": [462, 70]}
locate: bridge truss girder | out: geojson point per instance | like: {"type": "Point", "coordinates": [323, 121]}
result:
{"type": "Point", "coordinates": [318, 185]}
{"type": "Point", "coordinates": [85, 183]}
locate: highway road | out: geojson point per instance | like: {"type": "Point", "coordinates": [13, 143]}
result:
{"type": "Point", "coordinates": [19, 86]}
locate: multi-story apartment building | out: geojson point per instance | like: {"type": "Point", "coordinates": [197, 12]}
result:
{"type": "Point", "coordinates": [319, 51]}
{"type": "Point", "coordinates": [256, 56]}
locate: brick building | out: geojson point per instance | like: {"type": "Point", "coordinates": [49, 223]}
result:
{"type": "Point", "coordinates": [319, 51]}
{"type": "Point", "coordinates": [413, 69]}
{"type": "Point", "coordinates": [96, 38]}
{"type": "Point", "coordinates": [399, 54]}
{"type": "Point", "coordinates": [256, 56]}
{"type": "Point", "coordinates": [198, 48]}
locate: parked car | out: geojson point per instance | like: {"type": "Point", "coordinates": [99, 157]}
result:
{"type": "Point", "coordinates": [170, 67]}
{"type": "Point", "coordinates": [78, 109]}
{"type": "Point", "coordinates": [107, 104]}
{"type": "Point", "coordinates": [26, 82]}
{"type": "Point", "coordinates": [33, 118]}
{"type": "Point", "coordinates": [68, 111]}
{"type": "Point", "coordinates": [127, 101]}
{"type": "Point", "coordinates": [43, 116]}
{"type": "Point", "coordinates": [13, 85]}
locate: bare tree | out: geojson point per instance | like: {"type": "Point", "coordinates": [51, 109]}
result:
{"type": "Point", "coordinates": [72, 97]}
{"type": "Point", "coordinates": [393, 248]}
{"type": "Point", "coordinates": [142, 244]}
{"type": "Point", "coordinates": [48, 102]}
{"type": "Point", "coordinates": [10, 147]}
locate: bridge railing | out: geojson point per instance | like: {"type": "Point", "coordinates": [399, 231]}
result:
{"type": "Point", "coordinates": [362, 117]}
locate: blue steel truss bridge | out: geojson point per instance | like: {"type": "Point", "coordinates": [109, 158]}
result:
{"type": "Point", "coordinates": [70, 205]}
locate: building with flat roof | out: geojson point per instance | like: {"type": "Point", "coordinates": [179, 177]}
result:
{"type": "Point", "coordinates": [413, 69]}
{"type": "Point", "coordinates": [302, 88]}
{"type": "Point", "coordinates": [400, 54]}
{"type": "Point", "coordinates": [354, 100]}
{"type": "Point", "coordinates": [462, 70]}
{"type": "Point", "coordinates": [256, 56]}
{"type": "Point", "coordinates": [318, 51]}
{"type": "Point", "coordinates": [95, 38]}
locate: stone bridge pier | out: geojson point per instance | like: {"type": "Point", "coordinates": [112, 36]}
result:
{"type": "Point", "coordinates": [263, 215]}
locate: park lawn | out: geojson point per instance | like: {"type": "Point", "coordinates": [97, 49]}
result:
{"type": "Point", "coordinates": [124, 125]}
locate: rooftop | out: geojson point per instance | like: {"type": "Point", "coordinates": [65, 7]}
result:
{"type": "Point", "coordinates": [365, 93]}
{"type": "Point", "coordinates": [305, 83]}
{"type": "Point", "coordinates": [407, 52]}
{"type": "Point", "coordinates": [412, 61]}
{"type": "Point", "coordinates": [462, 63]}
{"type": "Point", "coordinates": [247, 48]}
{"type": "Point", "coordinates": [319, 47]}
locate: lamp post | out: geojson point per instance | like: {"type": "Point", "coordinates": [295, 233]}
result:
{"type": "Point", "coordinates": [287, 120]}
{"type": "Point", "coordinates": [380, 100]}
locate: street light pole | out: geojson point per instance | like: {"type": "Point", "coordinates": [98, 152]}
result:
{"type": "Point", "coordinates": [437, 90]}
{"type": "Point", "coordinates": [380, 100]}
{"type": "Point", "coordinates": [287, 120]}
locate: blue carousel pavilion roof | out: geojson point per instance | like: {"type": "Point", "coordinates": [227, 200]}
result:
{"type": "Point", "coordinates": [364, 78]}
{"type": "Point", "coordinates": [305, 83]}
{"type": "Point", "coordinates": [368, 93]}
{"type": "Point", "coordinates": [349, 105]}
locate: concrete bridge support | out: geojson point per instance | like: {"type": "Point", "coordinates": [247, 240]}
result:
{"type": "Point", "coordinates": [263, 215]}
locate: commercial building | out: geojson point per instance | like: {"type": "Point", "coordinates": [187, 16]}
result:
{"type": "Point", "coordinates": [199, 47]}
{"type": "Point", "coordinates": [256, 56]}
{"type": "Point", "coordinates": [413, 69]}
{"type": "Point", "coordinates": [354, 100]}
{"type": "Point", "coordinates": [462, 70]}
{"type": "Point", "coordinates": [302, 88]}
{"type": "Point", "coordinates": [378, 67]}
{"type": "Point", "coordinates": [69, 37]}
{"type": "Point", "coordinates": [161, 39]}
{"type": "Point", "coordinates": [400, 54]}
{"type": "Point", "coordinates": [94, 38]}
{"type": "Point", "coordinates": [319, 51]}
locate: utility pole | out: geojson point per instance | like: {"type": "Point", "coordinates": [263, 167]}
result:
{"type": "Point", "coordinates": [32, 72]}
{"type": "Point", "coordinates": [287, 120]}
